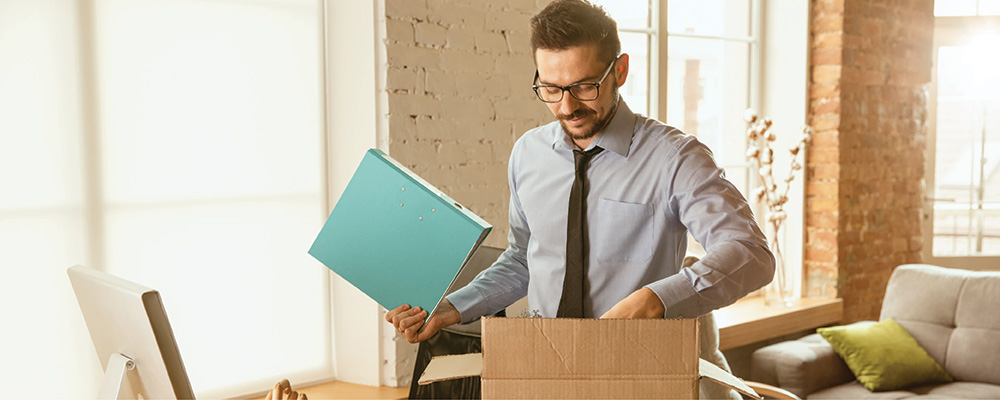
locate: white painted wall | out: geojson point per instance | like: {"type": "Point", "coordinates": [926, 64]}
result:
{"type": "Point", "coordinates": [352, 105]}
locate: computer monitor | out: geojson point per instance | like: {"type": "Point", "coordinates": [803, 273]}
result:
{"type": "Point", "coordinates": [132, 335]}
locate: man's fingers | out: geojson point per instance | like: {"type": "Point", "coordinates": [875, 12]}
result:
{"type": "Point", "coordinates": [396, 311]}
{"type": "Point", "coordinates": [404, 320]}
{"type": "Point", "coordinates": [409, 320]}
{"type": "Point", "coordinates": [399, 319]}
{"type": "Point", "coordinates": [410, 333]}
{"type": "Point", "coordinates": [268, 397]}
{"type": "Point", "coordinates": [643, 303]}
{"type": "Point", "coordinates": [414, 319]}
{"type": "Point", "coordinates": [293, 395]}
{"type": "Point", "coordinates": [302, 396]}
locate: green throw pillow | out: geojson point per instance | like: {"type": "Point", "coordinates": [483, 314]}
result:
{"type": "Point", "coordinates": [884, 356]}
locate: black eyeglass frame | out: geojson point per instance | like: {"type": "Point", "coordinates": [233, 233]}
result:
{"type": "Point", "coordinates": [569, 88]}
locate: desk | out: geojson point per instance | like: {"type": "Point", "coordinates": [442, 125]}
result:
{"type": "Point", "coordinates": [745, 322]}
{"type": "Point", "coordinates": [344, 390]}
{"type": "Point", "coordinates": [750, 320]}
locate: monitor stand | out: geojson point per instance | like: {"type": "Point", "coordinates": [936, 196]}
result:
{"type": "Point", "coordinates": [115, 376]}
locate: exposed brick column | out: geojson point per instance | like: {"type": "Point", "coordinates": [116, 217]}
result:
{"type": "Point", "coordinates": [823, 155]}
{"type": "Point", "coordinates": [871, 64]}
{"type": "Point", "coordinates": [459, 90]}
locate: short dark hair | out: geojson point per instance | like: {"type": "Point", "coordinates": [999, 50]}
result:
{"type": "Point", "coordinates": [569, 23]}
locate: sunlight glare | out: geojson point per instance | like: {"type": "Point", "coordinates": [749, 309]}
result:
{"type": "Point", "coordinates": [983, 60]}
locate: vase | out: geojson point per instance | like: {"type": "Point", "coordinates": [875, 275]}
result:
{"type": "Point", "coordinates": [781, 291]}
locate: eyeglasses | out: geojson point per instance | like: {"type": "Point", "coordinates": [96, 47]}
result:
{"type": "Point", "coordinates": [583, 91]}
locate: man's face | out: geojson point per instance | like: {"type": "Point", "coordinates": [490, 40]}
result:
{"type": "Point", "coordinates": [581, 120]}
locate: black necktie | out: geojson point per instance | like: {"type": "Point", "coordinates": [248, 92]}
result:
{"type": "Point", "coordinates": [571, 304]}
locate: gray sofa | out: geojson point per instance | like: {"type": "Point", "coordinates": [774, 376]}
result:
{"type": "Point", "coordinates": [953, 314]}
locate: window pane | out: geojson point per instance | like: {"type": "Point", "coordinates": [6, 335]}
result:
{"type": "Point", "coordinates": [195, 109]}
{"type": "Point", "coordinates": [245, 300]}
{"type": "Point", "coordinates": [211, 143]}
{"type": "Point", "coordinates": [709, 17]}
{"type": "Point", "coordinates": [39, 118]}
{"type": "Point", "coordinates": [635, 92]}
{"type": "Point", "coordinates": [45, 335]}
{"type": "Point", "coordinates": [708, 92]}
{"type": "Point", "coordinates": [632, 14]}
{"type": "Point", "coordinates": [988, 7]}
{"type": "Point", "coordinates": [954, 8]}
{"type": "Point", "coordinates": [45, 350]}
{"type": "Point", "coordinates": [967, 153]}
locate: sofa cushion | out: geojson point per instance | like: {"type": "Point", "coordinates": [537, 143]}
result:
{"type": "Point", "coordinates": [954, 390]}
{"type": "Point", "coordinates": [800, 366]}
{"type": "Point", "coordinates": [977, 331]}
{"type": "Point", "coordinates": [965, 390]}
{"type": "Point", "coordinates": [952, 314]}
{"type": "Point", "coordinates": [854, 390]}
{"type": "Point", "coordinates": [923, 298]}
{"type": "Point", "coordinates": [884, 356]}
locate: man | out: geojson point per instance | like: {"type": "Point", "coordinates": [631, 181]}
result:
{"type": "Point", "coordinates": [634, 186]}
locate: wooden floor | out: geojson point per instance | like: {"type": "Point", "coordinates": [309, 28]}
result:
{"type": "Point", "coordinates": [343, 390]}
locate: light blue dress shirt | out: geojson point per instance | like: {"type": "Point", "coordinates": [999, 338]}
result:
{"type": "Point", "coordinates": [650, 186]}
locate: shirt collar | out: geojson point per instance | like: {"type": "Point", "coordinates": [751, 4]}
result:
{"type": "Point", "coordinates": [616, 136]}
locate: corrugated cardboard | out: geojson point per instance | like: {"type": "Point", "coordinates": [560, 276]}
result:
{"type": "Point", "coordinates": [552, 358]}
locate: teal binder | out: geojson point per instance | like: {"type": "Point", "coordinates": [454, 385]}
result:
{"type": "Point", "coordinates": [396, 237]}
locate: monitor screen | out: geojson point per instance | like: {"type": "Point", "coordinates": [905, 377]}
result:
{"type": "Point", "coordinates": [132, 336]}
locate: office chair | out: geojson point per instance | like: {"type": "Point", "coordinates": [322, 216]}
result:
{"type": "Point", "coordinates": [455, 339]}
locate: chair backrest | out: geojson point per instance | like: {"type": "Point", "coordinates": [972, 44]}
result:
{"type": "Point", "coordinates": [708, 342]}
{"type": "Point", "coordinates": [954, 314]}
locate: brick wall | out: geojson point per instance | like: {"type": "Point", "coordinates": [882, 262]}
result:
{"type": "Point", "coordinates": [871, 64]}
{"type": "Point", "coordinates": [458, 77]}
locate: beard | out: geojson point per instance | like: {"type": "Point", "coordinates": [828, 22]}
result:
{"type": "Point", "coordinates": [591, 131]}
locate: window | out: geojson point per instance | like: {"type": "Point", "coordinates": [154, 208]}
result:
{"type": "Point", "coordinates": [638, 34]}
{"type": "Point", "coordinates": [705, 86]}
{"type": "Point", "coordinates": [178, 145]}
{"type": "Point", "coordinates": [708, 77]}
{"type": "Point", "coordinates": [707, 73]}
{"type": "Point", "coordinates": [964, 144]}
{"type": "Point", "coordinates": [705, 58]}
{"type": "Point", "coordinates": [966, 8]}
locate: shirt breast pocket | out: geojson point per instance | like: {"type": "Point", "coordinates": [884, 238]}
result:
{"type": "Point", "coordinates": [622, 232]}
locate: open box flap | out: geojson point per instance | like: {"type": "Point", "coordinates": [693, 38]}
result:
{"type": "Point", "coordinates": [444, 368]}
{"type": "Point", "coordinates": [713, 372]}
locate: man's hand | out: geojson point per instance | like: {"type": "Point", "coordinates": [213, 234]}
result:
{"type": "Point", "coordinates": [642, 303]}
{"type": "Point", "coordinates": [283, 390]}
{"type": "Point", "coordinates": [409, 320]}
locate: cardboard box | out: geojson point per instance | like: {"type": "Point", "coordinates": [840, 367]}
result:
{"type": "Point", "coordinates": [554, 358]}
